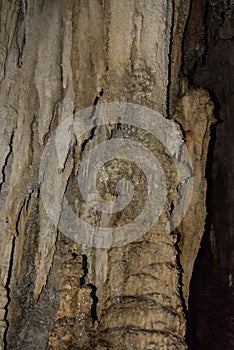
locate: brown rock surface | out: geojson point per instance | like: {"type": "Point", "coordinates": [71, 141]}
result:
{"type": "Point", "coordinates": [57, 58]}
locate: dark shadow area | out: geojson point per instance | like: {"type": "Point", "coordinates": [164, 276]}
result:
{"type": "Point", "coordinates": [208, 49]}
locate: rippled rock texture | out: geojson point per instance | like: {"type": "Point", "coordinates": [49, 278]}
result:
{"type": "Point", "coordinates": [57, 58]}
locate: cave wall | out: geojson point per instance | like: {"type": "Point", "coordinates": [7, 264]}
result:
{"type": "Point", "coordinates": [208, 62]}
{"type": "Point", "coordinates": [57, 58]}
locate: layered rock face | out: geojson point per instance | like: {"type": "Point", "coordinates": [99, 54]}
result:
{"type": "Point", "coordinates": [62, 292]}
